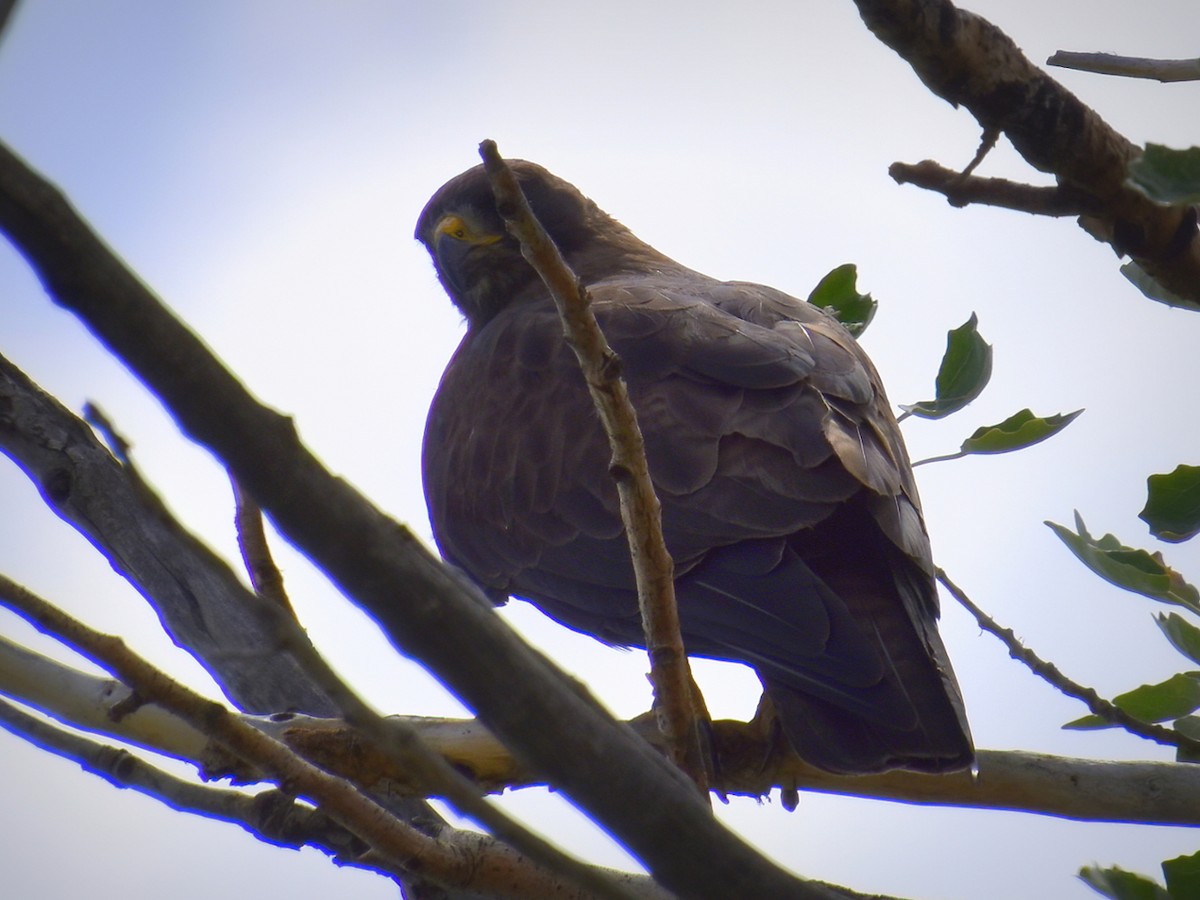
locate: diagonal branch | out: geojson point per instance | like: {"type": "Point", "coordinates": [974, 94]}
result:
{"type": "Point", "coordinates": [1050, 673]}
{"type": "Point", "coordinates": [103, 706]}
{"type": "Point", "coordinates": [404, 845]}
{"type": "Point", "coordinates": [969, 62]}
{"type": "Point", "coordinates": [265, 576]}
{"type": "Point", "coordinates": [641, 512]}
{"type": "Point", "coordinates": [426, 609]}
{"type": "Point", "coordinates": [198, 598]}
{"type": "Point", "coordinates": [271, 815]}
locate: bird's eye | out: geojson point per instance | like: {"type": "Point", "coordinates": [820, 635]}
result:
{"type": "Point", "coordinates": [454, 227]}
{"type": "Point", "coordinates": [459, 229]}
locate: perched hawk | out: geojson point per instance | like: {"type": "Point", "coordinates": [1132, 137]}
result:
{"type": "Point", "coordinates": [788, 501]}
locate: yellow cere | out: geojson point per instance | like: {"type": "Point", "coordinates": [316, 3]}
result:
{"type": "Point", "coordinates": [457, 228]}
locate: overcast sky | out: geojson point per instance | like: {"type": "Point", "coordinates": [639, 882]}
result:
{"type": "Point", "coordinates": [261, 165]}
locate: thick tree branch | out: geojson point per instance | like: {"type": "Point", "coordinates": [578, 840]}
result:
{"type": "Point", "coordinates": [1163, 793]}
{"type": "Point", "coordinates": [427, 610]}
{"type": "Point", "coordinates": [969, 62]}
{"type": "Point", "coordinates": [641, 512]}
{"type": "Point", "coordinates": [201, 602]}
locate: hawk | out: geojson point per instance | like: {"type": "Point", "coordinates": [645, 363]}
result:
{"type": "Point", "coordinates": [788, 501]}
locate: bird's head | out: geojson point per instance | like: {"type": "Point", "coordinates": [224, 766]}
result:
{"type": "Point", "coordinates": [480, 264]}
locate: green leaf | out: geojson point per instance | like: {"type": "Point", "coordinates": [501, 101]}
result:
{"type": "Point", "coordinates": [1149, 286]}
{"type": "Point", "coordinates": [1189, 727]}
{"type": "Point", "coordinates": [1121, 885]}
{"type": "Point", "coordinates": [964, 373]}
{"type": "Point", "coordinates": [1135, 570]}
{"type": "Point", "coordinates": [1020, 430]}
{"type": "Point", "coordinates": [1173, 504]}
{"type": "Point", "coordinates": [1183, 876]}
{"type": "Point", "coordinates": [837, 293]}
{"type": "Point", "coordinates": [1170, 699]}
{"type": "Point", "coordinates": [1183, 635]}
{"type": "Point", "coordinates": [1167, 175]}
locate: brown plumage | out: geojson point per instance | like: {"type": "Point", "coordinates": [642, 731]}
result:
{"type": "Point", "coordinates": [788, 499]}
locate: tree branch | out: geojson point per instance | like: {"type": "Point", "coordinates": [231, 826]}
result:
{"type": "Point", "coordinates": [200, 601]}
{"type": "Point", "coordinates": [102, 706]}
{"type": "Point", "coordinates": [641, 512]}
{"type": "Point", "coordinates": [968, 61]}
{"type": "Point", "coordinates": [1162, 793]}
{"type": "Point", "coordinates": [406, 847]}
{"type": "Point", "coordinates": [1164, 70]}
{"type": "Point", "coordinates": [7, 8]}
{"type": "Point", "coordinates": [1050, 673]}
{"type": "Point", "coordinates": [270, 815]}
{"type": "Point", "coordinates": [427, 610]}
{"type": "Point", "coordinates": [265, 576]}
{"type": "Point", "coordinates": [961, 190]}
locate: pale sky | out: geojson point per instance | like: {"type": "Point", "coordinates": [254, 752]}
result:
{"type": "Point", "coordinates": [261, 165]}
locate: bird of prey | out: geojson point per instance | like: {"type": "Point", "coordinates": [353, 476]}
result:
{"type": "Point", "coordinates": [788, 501]}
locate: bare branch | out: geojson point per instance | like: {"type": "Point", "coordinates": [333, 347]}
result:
{"type": "Point", "coordinates": [641, 513]}
{"type": "Point", "coordinates": [279, 819]}
{"type": "Point", "coordinates": [1050, 673]}
{"type": "Point", "coordinates": [961, 190]}
{"type": "Point", "coordinates": [271, 815]}
{"type": "Point", "coordinates": [388, 836]}
{"type": "Point", "coordinates": [265, 576]}
{"type": "Point", "coordinates": [7, 7]}
{"type": "Point", "coordinates": [96, 704]}
{"type": "Point", "coordinates": [1164, 70]}
{"type": "Point", "coordinates": [970, 62]}
{"type": "Point", "coordinates": [1161, 793]}
{"type": "Point", "coordinates": [201, 602]}
{"type": "Point", "coordinates": [1164, 793]}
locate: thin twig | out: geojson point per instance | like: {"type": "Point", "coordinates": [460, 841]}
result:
{"type": "Point", "coordinates": [641, 512]}
{"type": "Point", "coordinates": [1050, 673]}
{"type": "Point", "coordinates": [1164, 70]}
{"type": "Point", "coordinates": [987, 143]}
{"type": "Point", "coordinates": [265, 576]}
{"type": "Point", "coordinates": [944, 458]}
